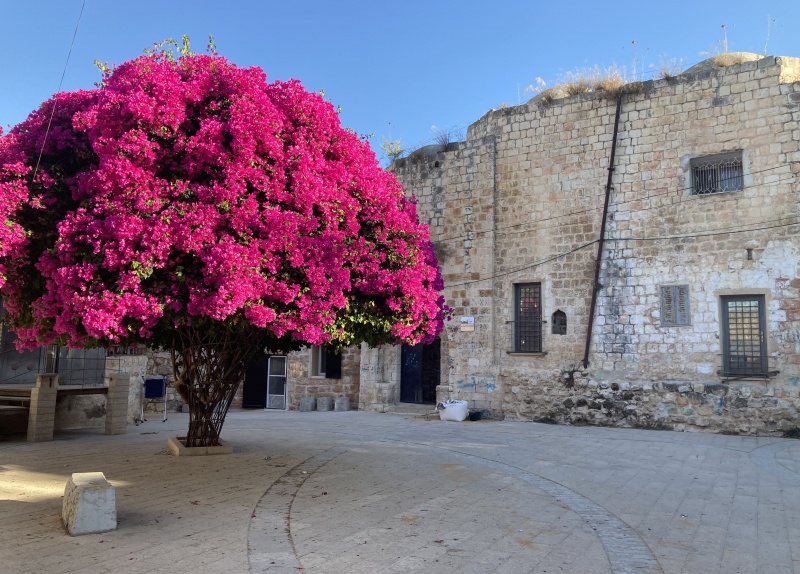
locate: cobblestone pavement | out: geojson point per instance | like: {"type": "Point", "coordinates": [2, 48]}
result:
{"type": "Point", "coordinates": [333, 492]}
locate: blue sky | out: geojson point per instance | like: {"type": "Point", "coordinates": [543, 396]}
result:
{"type": "Point", "coordinates": [396, 68]}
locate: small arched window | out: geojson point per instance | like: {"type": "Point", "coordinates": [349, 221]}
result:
{"type": "Point", "coordinates": [559, 322]}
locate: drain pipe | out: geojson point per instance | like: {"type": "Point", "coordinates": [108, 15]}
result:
{"type": "Point", "coordinates": [599, 259]}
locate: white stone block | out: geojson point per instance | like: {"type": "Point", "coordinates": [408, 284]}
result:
{"type": "Point", "coordinates": [90, 504]}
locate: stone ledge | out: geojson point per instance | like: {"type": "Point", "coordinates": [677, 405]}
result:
{"type": "Point", "coordinates": [179, 449]}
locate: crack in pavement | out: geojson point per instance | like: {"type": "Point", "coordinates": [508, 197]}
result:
{"type": "Point", "coordinates": [270, 547]}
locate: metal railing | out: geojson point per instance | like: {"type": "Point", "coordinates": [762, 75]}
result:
{"type": "Point", "coordinates": [74, 366]}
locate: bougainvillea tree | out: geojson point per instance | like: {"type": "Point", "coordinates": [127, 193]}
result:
{"type": "Point", "coordinates": [188, 204]}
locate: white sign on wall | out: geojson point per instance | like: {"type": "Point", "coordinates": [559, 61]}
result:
{"type": "Point", "coordinates": [467, 323]}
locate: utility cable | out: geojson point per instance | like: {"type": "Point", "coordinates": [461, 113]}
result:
{"type": "Point", "coordinates": [502, 230]}
{"type": "Point", "coordinates": [55, 98]}
{"type": "Point", "coordinates": [541, 262]}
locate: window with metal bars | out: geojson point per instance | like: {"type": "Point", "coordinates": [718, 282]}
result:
{"type": "Point", "coordinates": [744, 351]}
{"type": "Point", "coordinates": [528, 318]}
{"type": "Point", "coordinates": [717, 174]}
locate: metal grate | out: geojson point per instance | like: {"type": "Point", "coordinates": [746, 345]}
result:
{"type": "Point", "coordinates": [720, 174]}
{"type": "Point", "coordinates": [528, 320]}
{"type": "Point", "coordinates": [81, 366]}
{"type": "Point", "coordinates": [743, 326]}
{"type": "Point", "coordinates": [74, 366]}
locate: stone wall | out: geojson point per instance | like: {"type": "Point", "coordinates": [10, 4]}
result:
{"type": "Point", "coordinates": [380, 377]}
{"type": "Point", "coordinates": [301, 384]}
{"type": "Point", "coordinates": [752, 408]}
{"type": "Point", "coordinates": [89, 411]}
{"type": "Point", "coordinates": [520, 201]}
{"type": "Point", "coordinates": [159, 363]}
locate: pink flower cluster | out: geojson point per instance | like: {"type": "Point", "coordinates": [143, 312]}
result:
{"type": "Point", "coordinates": [193, 189]}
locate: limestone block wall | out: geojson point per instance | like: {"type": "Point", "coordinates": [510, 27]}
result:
{"type": "Point", "coordinates": [661, 234]}
{"type": "Point", "coordinates": [379, 375]}
{"type": "Point", "coordinates": [455, 189]}
{"type": "Point", "coordinates": [301, 384]}
{"type": "Point", "coordinates": [89, 411]}
{"type": "Point", "coordinates": [520, 201]}
{"type": "Point", "coordinates": [159, 363]}
{"type": "Point", "coordinates": [751, 407]}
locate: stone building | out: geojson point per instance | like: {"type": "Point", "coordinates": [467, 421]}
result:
{"type": "Point", "coordinates": [693, 317]}
{"type": "Point", "coordinates": [648, 279]}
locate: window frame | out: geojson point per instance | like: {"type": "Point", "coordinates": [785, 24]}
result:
{"type": "Point", "coordinates": [522, 326]}
{"type": "Point", "coordinates": [324, 363]}
{"type": "Point", "coordinates": [728, 364]}
{"type": "Point", "coordinates": [677, 316]}
{"type": "Point", "coordinates": [557, 326]}
{"type": "Point", "coordinates": [317, 361]}
{"type": "Point", "coordinates": [714, 182]}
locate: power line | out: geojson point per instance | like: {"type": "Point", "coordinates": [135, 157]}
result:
{"type": "Point", "coordinates": [519, 119]}
{"type": "Point", "coordinates": [58, 91]}
{"type": "Point", "coordinates": [720, 231]}
{"type": "Point", "coordinates": [525, 268]}
{"type": "Point", "coordinates": [502, 230]}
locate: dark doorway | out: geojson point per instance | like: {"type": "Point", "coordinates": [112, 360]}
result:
{"type": "Point", "coordinates": [254, 391]}
{"type": "Point", "coordinates": [265, 383]}
{"type": "Point", "coordinates": [420, 372]}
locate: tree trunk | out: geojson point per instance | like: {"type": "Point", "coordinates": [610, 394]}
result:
{"type": "Point", "coordinates": [208, 369]}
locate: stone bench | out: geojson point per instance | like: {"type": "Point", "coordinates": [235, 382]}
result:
{"type": "Point", "coordinates": [39, 401]}
{"type": "Point", "coordinates": [13, 400]}
{"type": "Point", "coordinates": [90, 504]}
{"type": "Point", "coordinates": [13, 410]}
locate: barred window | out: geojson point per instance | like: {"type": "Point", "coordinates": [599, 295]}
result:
{"type": "Point", "coordinates": [744, 349]}
{"type": "Point", "coordinates": [717, 174]}
{"type": "Point", "coordinates": [528, 318]}
{"type": "Point", "coordinates": [675, 306]}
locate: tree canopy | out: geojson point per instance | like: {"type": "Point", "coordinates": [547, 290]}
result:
{"type": "Point", "coordinates": [192, 192]}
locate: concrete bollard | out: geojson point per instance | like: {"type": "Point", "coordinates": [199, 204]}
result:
{"type": "Point", "coordinates": [325, 404]}
{"type": "Point", "coordinates": [342, 404]}
{"type": "Point", "coordinates": [90, 504]}
{"type": "Point", "coordinates": [308, 404]}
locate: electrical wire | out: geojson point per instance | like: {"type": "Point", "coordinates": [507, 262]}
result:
{"type": "Point", "coordinates": [589, 210]}
{"type": "Point", "coordinates": [501, 231]}
{"type": "Point", "coordinates": [526, 267]}
{"type": "Point", "coordinates": [721, 231]}
{"type": "Point", "coordinates": [55, 98]}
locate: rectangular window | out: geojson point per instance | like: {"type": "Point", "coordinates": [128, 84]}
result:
{"type": "Point", "coordinates": [675, 306]}
{"type": "Point", "coordinates": [325, 362]}
{"type": "Point", "coordinates": [717, 174]}
{"type": "Point", "coordinates": [318, 357]}
{"type": "Point", "coordinates": [744, 350]}
{"type": "Point", "coordinates": [528, 318]}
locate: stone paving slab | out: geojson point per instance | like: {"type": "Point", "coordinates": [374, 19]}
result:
{"type": "Point", "coordinates": [334, 492]}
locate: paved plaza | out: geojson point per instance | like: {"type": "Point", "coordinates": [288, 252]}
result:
{"type": "Point", "coordinates": [354, 492]}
